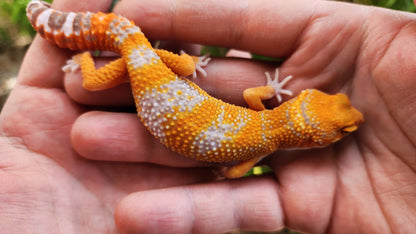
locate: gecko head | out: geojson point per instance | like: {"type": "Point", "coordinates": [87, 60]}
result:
{"type": "Point", "coordinates": [330, 117]}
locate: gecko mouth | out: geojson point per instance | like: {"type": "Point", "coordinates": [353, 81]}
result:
{"type": "Point", "coordinates": [349, 129]}
{"type": "Point", "coordinates": [356, 121]}
{"type": "Point", "coordinates": [344, 131]}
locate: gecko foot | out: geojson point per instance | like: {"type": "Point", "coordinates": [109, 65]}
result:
{"type": "Point", "coordinates": [202, 62]}
{"type": "Point", "coordinates": [278, 86]}
{"type": "Point", "coordinates": [70, 66]}
{"type": "Point", "coordinates": [73, 64]}
{"type": "Point", "coordinates": [199, 62]}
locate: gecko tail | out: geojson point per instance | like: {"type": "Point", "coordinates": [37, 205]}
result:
{"type": "Point", "coordinates": [80, 31]}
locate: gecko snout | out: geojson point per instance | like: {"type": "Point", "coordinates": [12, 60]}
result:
{"type": "Point", "coordinates": [346, 118]}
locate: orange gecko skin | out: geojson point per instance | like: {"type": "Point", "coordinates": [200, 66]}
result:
{"type": "Point", "coordinates": [180, 114]}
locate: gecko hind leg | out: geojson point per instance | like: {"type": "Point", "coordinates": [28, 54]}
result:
{"type": "Point", "coordinates": [241, 168]}
{"type": "Point", "coordinates": [116, 73]}
{"type": "Point", "coordinates": [94, 79]}
{"type": "Point", "coordinates": [184, 65]}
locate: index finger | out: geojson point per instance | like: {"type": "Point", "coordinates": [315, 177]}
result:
{"type": "Point", "coordinates": [234, 23]}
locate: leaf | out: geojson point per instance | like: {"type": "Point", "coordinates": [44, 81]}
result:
{"type": "Point", "coordinates": [214, 51]}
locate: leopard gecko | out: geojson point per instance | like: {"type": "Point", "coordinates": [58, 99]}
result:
{"type": "Point", "coordinates": [179, 113]}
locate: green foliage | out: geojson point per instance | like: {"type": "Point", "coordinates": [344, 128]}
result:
{"type": "Point", "coordinates": [402, 5]}
{"type": "Point", "coordinates": [14, 12]}
{"type": "Point", "coordinates": [214, 51]}
{"type": "Point", "coordinates": [113, 4]}
{"type": "Point", "coordinates": [265, 58]}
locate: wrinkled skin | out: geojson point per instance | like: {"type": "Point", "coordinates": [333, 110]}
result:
{"type": "Point", "coordinates": [55, 166]}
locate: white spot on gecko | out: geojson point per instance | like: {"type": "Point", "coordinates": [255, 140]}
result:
{"type": "Point", "coordinates": [167, 99]}
{"type": "Point", "coordinates": [141, 56]}
{"type": "Point", "coordinates": [43, 19]}
{"type": "Point", "coordinates": [215, 135]}
{"type": "Point", "coordinates": [122, 28]}
{"type": "Point", "coordinates": [68, 25]}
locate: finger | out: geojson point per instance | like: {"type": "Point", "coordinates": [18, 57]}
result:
{"type": "Point", "coordinates": [133, 177]}
{"type": "Point", "coordinates": [251, 204]}
{"type": "Point", "coordinates": [237, 24]}
{"type": "Point", "coordinates": [228, 77]}
{"type": "Point", "coordinates": [112, 136]}
{"type": "Point", "coordinates": [88, 5]}
{"type": "Point", "coordinates": [307, 182]}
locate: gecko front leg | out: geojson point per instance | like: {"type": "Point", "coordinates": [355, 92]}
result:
{"type": "Point", "coordinates": [273, 88]}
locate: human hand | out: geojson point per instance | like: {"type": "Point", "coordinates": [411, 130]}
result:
{"type": "Point", "coordinates": [45, 186]}
{"type": "Point", "coordinates": [330, 189]}
{"type": "Point", "coordinates": [365, 52]}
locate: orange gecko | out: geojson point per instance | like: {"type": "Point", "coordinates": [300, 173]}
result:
{"type": "Point", "coordinates": [180, 114]}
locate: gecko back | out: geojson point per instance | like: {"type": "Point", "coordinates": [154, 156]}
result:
{"type": "Point", "coordinates": [183, 116]}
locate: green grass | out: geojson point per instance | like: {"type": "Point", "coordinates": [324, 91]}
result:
{"type": "Point", "coordinates": [402, 5]}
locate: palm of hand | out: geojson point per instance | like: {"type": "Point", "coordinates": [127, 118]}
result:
{"type": "Point", "coordinates": [371, 173]}
{"type": "Point", "coordinates": [362, 176]}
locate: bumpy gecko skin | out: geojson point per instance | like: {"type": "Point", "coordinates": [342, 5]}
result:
{"type": "Point", "coordinates": [180, 114]}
